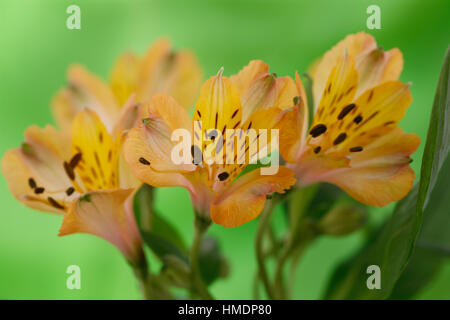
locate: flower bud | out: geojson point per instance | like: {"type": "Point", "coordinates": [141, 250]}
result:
{"type": "Point", "coordinates": [342, 219]}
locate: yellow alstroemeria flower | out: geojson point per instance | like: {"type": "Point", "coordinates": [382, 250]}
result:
{"type": "Point", "coordinates": [354, 141]}
{"type": "Point", "coordinates": [250, 100]}
{"type": "Point", "coordinates": [160, 70]}
{"type": "Point", "coordinates": [83, 178]}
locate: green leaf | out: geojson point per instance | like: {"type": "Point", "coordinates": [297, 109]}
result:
{"type": "Point", "coordinates": [433, 243]}
{"type": "Point", "coordinates": [392, 249]}
{"type": "Point", "coordinates": [212, 263]}
{"type": "Point", "coordinates": [159, 235]}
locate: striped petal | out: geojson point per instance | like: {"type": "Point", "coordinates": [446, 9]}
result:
{"type": "Point", "coordinates": [260, 89]}
{"type": "Point", "coordinates": [378, 66]}
{"type": "Point", "coordinates": [355, 45]}
{"type": "Point", "coordinates": [97, 150]}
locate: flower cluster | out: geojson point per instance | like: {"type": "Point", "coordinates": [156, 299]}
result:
{"type": "Point", "coordinates": [113, 137]}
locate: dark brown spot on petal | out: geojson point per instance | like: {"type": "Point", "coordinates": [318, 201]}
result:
{"type": "Point", "coordinates": [69, 171]}
{"type": "Point", "coordinates": [296, 100]}
{"type": "Point", "coordinates": [370, 96]}
{"type": "Point", "coordinates": [340, 138]}
{"type": "Point", "coordinates": [332, 110]}
{"type": "Point", "coordinates": [199, 114]}
{"type": "Point", "coordinates": [223, 176]}
{"type": "Point", "coordinates": [356, 149]}
{"type": "Point", "coordinates": [217, 118]}
{"type": "Point", "coordinates": [234, 113]}
{"type": "Point", "coordinates": [348, 126]}
{"type": "Point", "coordinates": [97, 159]}
{"type": "Point", "coordinates": [100, 137]}
{"type": "Point", "coordinates": [318, 130]}
{"type": "Point", "coordinates": [249, 125]}
{"type": "Point", "coordinates": [329, 88]}
{"type": "Point", "coordinates": [223, 131]}
{"type": "Point", "coordinates": [370, 117]}
{"type": "Point", "coordinates": [87, 179]}
{"type": "Point", "coordinates": [389, 122]}
{"type": "Point", "coordinates": [346, 110]}
{"type": "Point", "coordinates": [319, 113]}
{"type": "Point", "coordinates": [350, 90]}
{"type": "Point", "coordinates": [32, 183]}
{"type": "Point", "coordinates": [334, 99]}
{"type": "Point", "coordinates": [39, 190]}
{"type": "Point", "coordinates": [94, 173]}
{"type": "Point", "coordinates": [236, 124]}
{"type": "Point", "coordinates": [196, 153]}
{"type": "Point", "coordinates": [144, 161]}
{"type": "Point", "coordinates": [317, 149]}
{"type": "Point", "coordinates": [358, 119]}
{"type": "Point", "coordinates": [55, 204]}
{"type": "Point", "coordinates": [70, 191]}
{"type": "Point", "coordinates": [75, 160]}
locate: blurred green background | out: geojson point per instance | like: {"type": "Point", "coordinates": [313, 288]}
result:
{"type": "Point", "coordinates": [36, 48]}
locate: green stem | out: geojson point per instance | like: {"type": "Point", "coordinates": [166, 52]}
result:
{"type": "Point", "coordinates": [279, 282]}
{"type": "Point", "coordinates": [264, 222]}
{"type": "Point", "coordinates": [142, 275]}
{"type": "Point", "coordinates": [198, 287]}
{"type": "Point", "coordinates": [298, 204]}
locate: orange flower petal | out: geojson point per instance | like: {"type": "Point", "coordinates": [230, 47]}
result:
{"type": "Point", "coordinates": [124, 77]}
{"type": "Point", "coordinates": [339, 93]}
{"type": "Point", "coordinates": [98, 152]}
{"type": "Point", "coordinates": [186, 79]}
{"type": "Point", "coordinates": [260, 89]}
{"type": "Point", "coordinates": [251, 72]}
{"type": "Point", "coordinates": [377, 66]}
{"type": "Point", "coordinates": [381, 174]}
{"type": "Point", "coordinates": [355, 44]}
{"type": "Point", "coordinates": [148, 148]}
{"type": "Point", "coordinates": [165, 71]}
{"type": "Point", "coordinates": [377, 174]}
{"type": "Point", "coordinates": [108, 215]}
{"type": "Point", "coordinates": [294, 126]}
{"type": "Point", "coordinates": [244, 199]}
{"type": "Point", "coordinates": [85, 91]}
{"type": "Point", "coordinates": [219, 104]}
{"type": "Point", "coordinates": [64, 107]}
{"type": "Point", "coordinates": [129, 117]}
{"type": "Point", "coordinates": [35, 172]}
